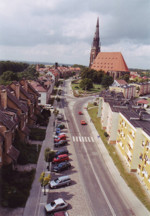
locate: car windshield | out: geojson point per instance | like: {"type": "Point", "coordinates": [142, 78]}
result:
{"type": "Point", "coordinates": [56, 180]}
{"type": "Point", "coordinates": [53, 204]}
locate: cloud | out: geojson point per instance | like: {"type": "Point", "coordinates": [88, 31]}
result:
{"type": "Point", "coordinates": [30, 29]}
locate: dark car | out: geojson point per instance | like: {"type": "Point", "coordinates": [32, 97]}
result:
{"type": "Point", "coordinates": [61, 151]}
{"type": "Point", "coordinates": [61, 126]}
{"type": "Point", "coordinates": [58, 131]}
{"type": "Point", "coordinates": [60, 143]}
{"type": "Point", "coordinates": [62, 166]}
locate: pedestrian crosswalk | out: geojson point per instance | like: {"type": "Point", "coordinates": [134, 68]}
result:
{"type": "Point", "coordinates": [82, 139]}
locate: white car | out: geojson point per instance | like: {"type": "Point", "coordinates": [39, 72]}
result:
{"type": "Point", "coordinates": [56, 205]}
{"type": "Point", "coordinates": [60, 181]}
{"type": "Point", "coordinates": [60, 116]}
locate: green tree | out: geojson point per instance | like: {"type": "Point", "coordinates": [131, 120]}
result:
{"type": "Point", "coordinates": [8, 76]}
{"type": "Point", "coordinates": [44, 180]}
{"type": "Point", "coordinates": [49, 155]}
{"type": "Point", "coordinates": [107, 80]}
{"type": "Point", "coordinates": [86, 84]}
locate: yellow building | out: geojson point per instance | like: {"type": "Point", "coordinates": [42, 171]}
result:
{"type": "Point", "coordinates": [133, 141]}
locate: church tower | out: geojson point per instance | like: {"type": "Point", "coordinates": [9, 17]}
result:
{"type": "Point", "coordinates": [95, 45]}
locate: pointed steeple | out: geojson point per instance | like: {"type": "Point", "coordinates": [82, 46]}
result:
{"type": "Point", "coordinates": [95, 45]}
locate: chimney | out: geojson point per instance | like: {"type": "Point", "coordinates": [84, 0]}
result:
{"type": "Point", "coordinates": [13, 93]}
{"type": "Point", "coordinates": [4, 99]}
{"type": "Point", "coordinates": [17, 90]}
{"type": "Point", "coordinates": [24, 83]}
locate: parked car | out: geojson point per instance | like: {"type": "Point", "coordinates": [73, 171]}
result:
{"type": "Point", "coordinates": [58, 131]}
{"type": "Point", "coordinates": [60, 117]}
{"type": "Point", "coordinates": [60, 181]}
{"type": "Point", "coordinates": [61, 166]}
{"type": "Point", "coordinates": [60, 158]}
{"type": "Point", "coordinates": [56, 205]}
{"type": "Point", "coordinates": [61, 213]}
{"type": "Point", "coordinates": [80, 113]}
{"type": "Point", "coordinates": [57, 136]}
{"type": "Point", "coordinates": [83, 122]}
{"type": "Point", "coordinates": [61, 126]}
{"type": "Point", "coordinates": [61, 151]}
{"type": "Point", "coordinates": [61, 137]}
{"type": "Point", "coordinates": [60, 143]}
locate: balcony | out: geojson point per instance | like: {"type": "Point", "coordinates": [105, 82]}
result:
{"type": "Point", "coordinates": [129, 154]}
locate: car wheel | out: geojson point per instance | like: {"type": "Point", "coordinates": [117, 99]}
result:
{"type": "Point", "coordinates": [68, 183]}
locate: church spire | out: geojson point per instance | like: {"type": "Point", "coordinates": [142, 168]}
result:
{"type": "Point", "coordinates": [95, 45]}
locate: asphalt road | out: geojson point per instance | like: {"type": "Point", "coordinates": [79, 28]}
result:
{"type": "Point", "coordinates": [104, 198]}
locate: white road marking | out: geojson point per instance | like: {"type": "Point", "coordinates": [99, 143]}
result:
{"type": "Point", "coordinates": [89, 139]}
{"type": "Point", "coordinates": [73, 138]}
{"type": "Point", "coordinates": [99, 183]}
{"type": "Point", "coordinates": [92, 139]}
{"type": "Point", "coordinates": [85, 139]}
{"type": "Point", "coordinates": [77, 139]}
{"type": "Point", "coordinates": [80, 139]}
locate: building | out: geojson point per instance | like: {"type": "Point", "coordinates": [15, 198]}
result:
{"type": "Point", "coordinates": [127, 125]}
{"type": "Point", "coordinates": [129, 91]}
{"type": "Point", "coordinates": [111, 63]}
{"type": "Point", "coordinates": [95, 45]}
{"type": "Point", "coordinates": [142, 88]}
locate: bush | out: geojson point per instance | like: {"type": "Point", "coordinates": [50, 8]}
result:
{"type": "Point", "coordinates": [37, 134]}
{"type": "Point", "coordinates": [106, 134]}
{"type": "Point", "coordinates": [95, 103]}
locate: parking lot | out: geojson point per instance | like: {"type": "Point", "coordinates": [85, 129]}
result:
{"type": "Point", "coordinates": [73, 194]}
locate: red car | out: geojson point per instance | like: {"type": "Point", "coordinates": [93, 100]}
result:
{"type": "Point", "coordinates": [61, 137]}
{"type": "Point", "coordinates": [61, 158]}
{"type": "Point", "coordinates": [80, 113]}
{"type": "Point", "coordinates": [61, 213]}
{"type": "Point", "coordinates": [83, 122]}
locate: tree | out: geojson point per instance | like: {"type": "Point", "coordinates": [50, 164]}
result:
{"type": "Point", "coordinates": [49, 155]}
{"type": "Point", "coordinates": [44, 180]}
{"type": "Point", "coordinates": [107, 80]}
{"type": "Point", "coordinates": [8, 76]}
{"type": "Point", "coordinates": [86, 84]}
{"type": "Point", "coordinates": [41, 179]}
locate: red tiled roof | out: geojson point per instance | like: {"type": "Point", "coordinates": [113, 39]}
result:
{"type": "Point", "coordinates": [142, 102]}
{"type": "Point", "coordinates": [122, 82]}
{"type": "Point", "coordinates": [110, 61]}
{"type": "Point", "coordinates": [37, 86]}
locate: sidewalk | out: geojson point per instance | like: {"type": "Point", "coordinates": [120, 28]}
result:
{"type": "Point", "coordinates": [36, 197]}
{"type": "Point", "coordinates": [138, 208]}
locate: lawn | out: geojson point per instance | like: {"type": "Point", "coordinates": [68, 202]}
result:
{"type": "Point", "coordinates": [130, 178]}
{"type": "Point", "coordinates": [37, 134]}
{"type": "Point", "coordinates": [15, 187]}
{"type": "Point", "coordinates": [96, 88]}
{"type": "Point", "coordinates": [29, 153]}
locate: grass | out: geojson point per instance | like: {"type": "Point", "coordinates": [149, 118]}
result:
{"type": "Point", "coordinates": [37, 134]}
{"type": "Point", "coordinates": [76, 86]}
{"type": "Point", "coordinates": [29, 153]}
{"type": "Point", "coordinates": [15, 187]}
{"type": "Point", "coordinates": [130, 178]}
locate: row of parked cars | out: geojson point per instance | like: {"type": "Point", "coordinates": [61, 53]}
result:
{"type": "Point", "coordinates": [60, 163]}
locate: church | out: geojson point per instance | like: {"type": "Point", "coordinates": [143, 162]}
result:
{"type": "Point", "coordinates": [111, 63]}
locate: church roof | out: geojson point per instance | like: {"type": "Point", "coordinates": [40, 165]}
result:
{"type": "Point", "coordinates": [110, 61]}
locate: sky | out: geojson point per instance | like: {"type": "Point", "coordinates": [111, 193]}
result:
{"type": "Point", "coordinates": [62, 30]}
